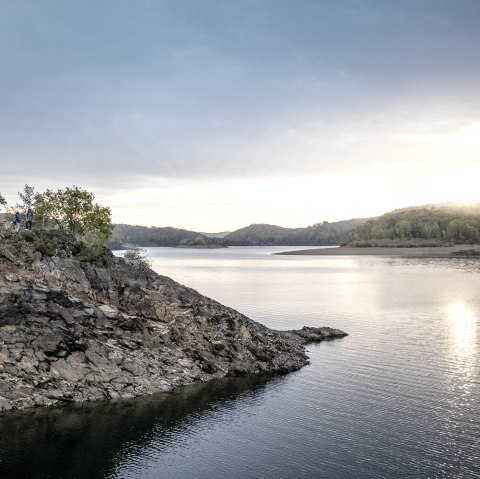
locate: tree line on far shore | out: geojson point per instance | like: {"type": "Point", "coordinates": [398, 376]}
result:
{"type": "Point", "coordinates": [417, 226]}
{"type": "Point", "coordinates": [254, 235]}
{"type": "Point", "coordinates": [124, 235]}
{"type": "Point", "coordinates": [318, 234]}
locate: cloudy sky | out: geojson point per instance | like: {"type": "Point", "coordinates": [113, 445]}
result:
{"type": "Point", "coordinates": [215, 114]}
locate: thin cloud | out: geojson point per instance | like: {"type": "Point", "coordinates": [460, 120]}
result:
{"type": "Point", "coordinates": [112, 94]}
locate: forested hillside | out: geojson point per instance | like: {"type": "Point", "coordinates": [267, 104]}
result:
{"type": "Point", "coordinates": [253, 235]}
{"type": "Point", "coordinates": [320, 234]}
{"type": "Point", "coordinates": [420, 226]}
{"type": "Point", "coordinates": [154, 236]}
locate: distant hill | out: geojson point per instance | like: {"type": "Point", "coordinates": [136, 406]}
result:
{"type": "Point", "coordinates": [128, 235]}
{"type": "Point", "coordinates": [420, 226]}
{"type": "Point", "coordinates": [254, 235]}
{"type": "Point", "coordinates": [319, 234]}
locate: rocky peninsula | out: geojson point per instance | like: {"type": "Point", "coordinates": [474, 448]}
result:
{"type": "Point", "coordinates": [79, 324]}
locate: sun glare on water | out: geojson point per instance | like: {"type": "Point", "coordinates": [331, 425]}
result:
{"type": "Point", "coordinates": [464, 330]}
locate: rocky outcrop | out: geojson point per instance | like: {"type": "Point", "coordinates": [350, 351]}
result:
{"type": "Point", "coordinates": [79, 325]}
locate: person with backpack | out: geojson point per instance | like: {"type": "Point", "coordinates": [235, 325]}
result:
{"type": "Point", "coordinates": [29, 221]}
{"type": "Point", "coordinates": [16, 219]}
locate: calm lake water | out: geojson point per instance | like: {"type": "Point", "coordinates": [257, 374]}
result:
{"type": "Point", "coordinates": [397, 398]}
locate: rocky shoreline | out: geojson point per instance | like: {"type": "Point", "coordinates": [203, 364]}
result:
{"type": "Point", "coordinates": [76, 326]}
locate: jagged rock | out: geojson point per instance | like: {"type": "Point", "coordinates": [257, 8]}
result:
{"type": "Point", "coordinates": [79, 326]}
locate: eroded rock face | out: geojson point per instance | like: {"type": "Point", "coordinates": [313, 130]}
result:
{"type": "Point", "coordinates": [73, 330]}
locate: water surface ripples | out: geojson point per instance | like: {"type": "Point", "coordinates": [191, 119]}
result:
{"type": "Point", "coordinates": [397, 398]}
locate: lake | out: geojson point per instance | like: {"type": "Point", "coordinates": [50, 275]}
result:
{"type": "Point", "coordinates": [397, 398]}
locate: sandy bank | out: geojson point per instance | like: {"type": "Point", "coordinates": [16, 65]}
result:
{"type": "Point", "coordinates": [427, 251]}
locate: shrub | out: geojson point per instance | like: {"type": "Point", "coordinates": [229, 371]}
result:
{"type": "Point", "coordinates": [138, 258]}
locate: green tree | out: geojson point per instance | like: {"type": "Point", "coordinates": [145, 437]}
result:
{"type": "Point", "coordinates": [440, 225]}
{"type": "Point", "coordinates": [403, 229]}
{"type": "Point", "coordinates": [27, 198]}
{"type": "Point", "coordinates": [3, 201]}
{"type": "Point", "coordinates": [73, 209]}
{"type": "Point", "coordinates": [463, 231]}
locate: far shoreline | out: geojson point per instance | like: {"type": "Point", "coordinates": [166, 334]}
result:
{"type": "Point", "coordinates": [467, 250]}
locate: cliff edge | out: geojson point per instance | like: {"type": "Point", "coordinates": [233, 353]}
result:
{"type": "Point", "coordinates": [76, 325]}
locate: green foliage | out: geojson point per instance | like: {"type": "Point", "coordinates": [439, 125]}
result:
{"type": "Point", "coordinates": [73, 209]}
{"type": "Point", "coordinates": [93, 244]}
{"type": "Point", "coordinates": [318, 234]}
{"type": "Point", "coordinates": [419, 226]}
{"type": "Point", "coordinates": [153, 236]}
{"type": "Point", "coordinates": [137, 257]}
{"type": "Point", "coordinates": [256, 235]}
{"type": "Point", "coordinates": [27, 198]}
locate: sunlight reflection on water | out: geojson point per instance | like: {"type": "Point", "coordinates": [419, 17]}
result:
{"type": "Point", "coordinates": [464, 327]}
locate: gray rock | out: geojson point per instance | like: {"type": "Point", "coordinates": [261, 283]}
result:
{"type": "Point", "coordinates": [74, 330]}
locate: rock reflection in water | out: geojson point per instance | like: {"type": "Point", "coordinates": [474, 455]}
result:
{"type": "Point", "coordinates": [87, 441]}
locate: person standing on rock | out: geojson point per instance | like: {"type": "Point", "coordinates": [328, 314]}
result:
{"type": "Point", "coordinates": [16, 219]}
{"type": "Point", "coordinates": [29, 219]}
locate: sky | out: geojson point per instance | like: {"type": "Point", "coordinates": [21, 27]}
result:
{"type": "Point", "coordinates": [214, 114]}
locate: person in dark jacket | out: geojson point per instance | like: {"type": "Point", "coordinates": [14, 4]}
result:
{"type": "Point", "coordinates": [29, 220]}
{"type": "Point", "coordinates": [17, 218]}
